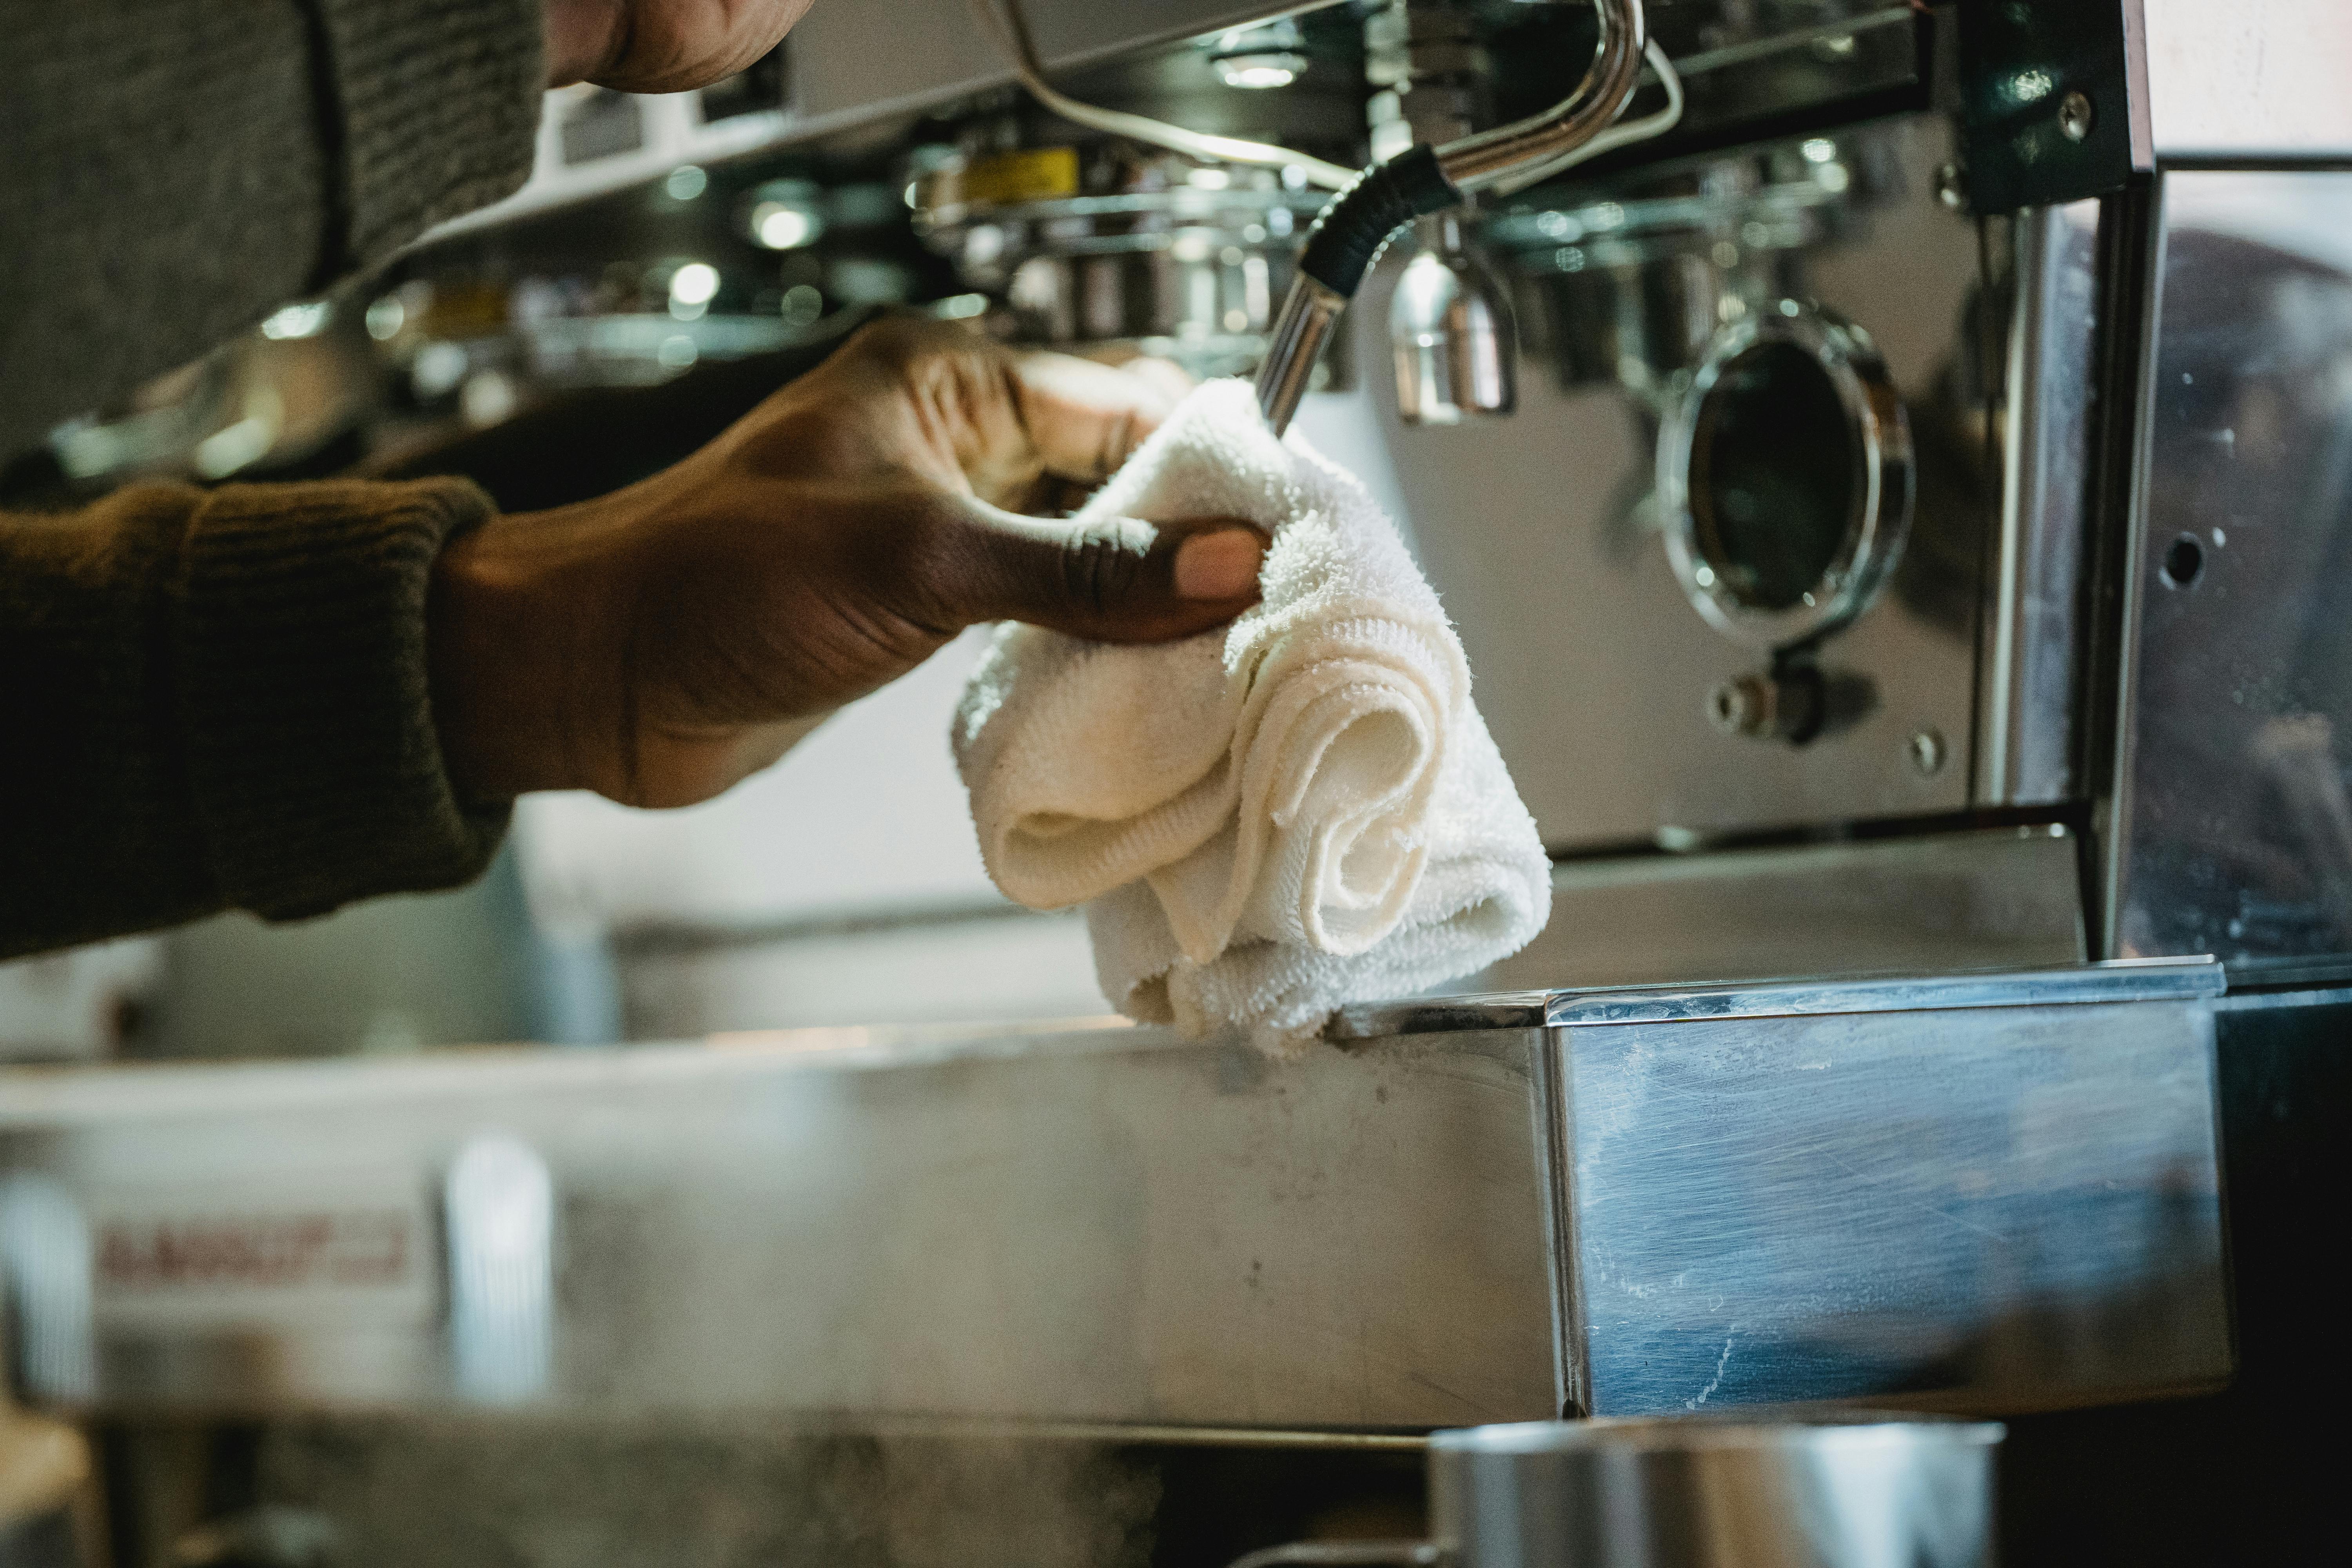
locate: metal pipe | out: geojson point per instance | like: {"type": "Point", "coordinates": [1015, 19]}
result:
{"type": "Point", "coordinates": [1386, 196]}
{"type": "Point", "coordinates": [1478, 161]}
{"type": "Point", "coordinates": [1308, 313]}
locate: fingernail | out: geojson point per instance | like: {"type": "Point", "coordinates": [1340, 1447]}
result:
{"type": "Point", "coordinates": [1220, 566]}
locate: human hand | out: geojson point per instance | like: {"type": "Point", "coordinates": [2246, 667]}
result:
{"type": "Point", "coordinates": [660, 45]}
{"type": "Point", "coordinates": [661, 643]}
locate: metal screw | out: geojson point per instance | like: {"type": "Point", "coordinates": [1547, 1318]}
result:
{"type": "Point", "coordinates": [1927, 752]}
{"type": "Point", "coordinates": [2074, 116]}
{"type": "Point", "coordinates": [1741, 707]}
{"type": "Point", "coordinates": [1952, 186]}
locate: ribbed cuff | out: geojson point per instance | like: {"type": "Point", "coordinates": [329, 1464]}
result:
{"type": "Point", "coordinates": [439, 107]}
{"type": "Point", "coordinates": [303, 693]}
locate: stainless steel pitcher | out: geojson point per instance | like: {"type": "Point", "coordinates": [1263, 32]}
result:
{"type": "Point", "coordinates": [1859, 1489]}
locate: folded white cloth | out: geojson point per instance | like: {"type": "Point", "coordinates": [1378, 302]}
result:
{"type": "Point", "coordinates": [1270, 821]}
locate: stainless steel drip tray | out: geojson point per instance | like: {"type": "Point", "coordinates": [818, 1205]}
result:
{"type": "Point", "coordinates": [1996, 1192]}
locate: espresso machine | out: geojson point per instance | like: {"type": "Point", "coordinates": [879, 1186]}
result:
{"type": "Point", "coordinates": [1887, 464]}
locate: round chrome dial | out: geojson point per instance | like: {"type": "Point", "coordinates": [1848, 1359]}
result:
{"type": "Point", "coordinates": [1785, 476]}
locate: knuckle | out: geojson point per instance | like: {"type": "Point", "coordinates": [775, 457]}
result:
{"type": "Point", "coordinates": [1100, 571]}
{"type": "Point", "coordinates": [980, 382]}
{"type": "Point", "coordinates": [893, 343]}
{"type": "Point", "coordinates": [964, 375]}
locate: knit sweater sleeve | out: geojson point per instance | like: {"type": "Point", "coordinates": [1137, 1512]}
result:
{"type": "Point", "coordinates": [220, 698]}
{"type": "Point", "coordinates": [170, 171]}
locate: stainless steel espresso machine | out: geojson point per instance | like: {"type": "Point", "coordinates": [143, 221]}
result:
{"type": "Point", "coordinates": [1888, 473]}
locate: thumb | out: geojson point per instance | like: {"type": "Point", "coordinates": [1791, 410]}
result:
{"type": "Point", "coordinates": [1114, 579]}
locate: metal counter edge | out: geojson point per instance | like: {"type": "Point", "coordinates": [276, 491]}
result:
{"type": "Point", "coordinates": [2117, 980]}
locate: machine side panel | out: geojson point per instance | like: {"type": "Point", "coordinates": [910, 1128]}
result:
{"type": "Point", "coordinates": [1997, 1208]}
{"type": "Point", "coordinates": [1124, 1229]}
{"type": "Point", "coordinates": [2235, 823]}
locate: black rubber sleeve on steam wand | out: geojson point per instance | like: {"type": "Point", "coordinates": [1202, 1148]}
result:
{"type": "Point", "coordinates": [1348, 236]}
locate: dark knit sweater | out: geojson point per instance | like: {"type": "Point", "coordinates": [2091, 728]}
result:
{"type": "Point", "coordinates": [219, 699]}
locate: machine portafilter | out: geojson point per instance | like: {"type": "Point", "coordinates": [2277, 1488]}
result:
{"type": "Point", "coordinates": [1425, 179]}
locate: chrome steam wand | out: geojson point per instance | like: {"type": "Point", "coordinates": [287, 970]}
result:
{"type": "Point", "coordinates": [1349, 236]}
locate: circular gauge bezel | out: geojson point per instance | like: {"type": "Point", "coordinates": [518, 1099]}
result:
{"type": "Point", "coordinates": [1880, 497]}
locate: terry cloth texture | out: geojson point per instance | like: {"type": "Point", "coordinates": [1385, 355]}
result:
{"type": "Point", "coordinates": [1273, 821]}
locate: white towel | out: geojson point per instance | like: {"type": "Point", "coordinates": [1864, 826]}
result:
{"type": "Point", "coordinates": [1271, 821]}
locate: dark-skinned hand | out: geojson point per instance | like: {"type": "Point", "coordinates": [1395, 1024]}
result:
{"type": "Point", "coordinates": [660, 45]}
{"type": "Point", "coordinates": [658, 644]}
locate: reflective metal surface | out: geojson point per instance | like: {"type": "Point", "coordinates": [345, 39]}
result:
{"type": "Point", "coordinates": [1996, 1191]}
{"type": "Point", "coordinates": [45, 1247]}
{"type": "Point", "coordinates": [498, 1213]}
{"type": "Point", "coordinates": [2231, 830]}
{"type": "Point", "coordinates": [2029, 731]}
{"type": "Point", "coordinates": [1072, 1225]}
{"type": "Point", "coordinates": [1992, 898]}
{"type": "Point", "coordinates": [1849, 1203]}
{"type": "Point", "coordinates": [1151, 252]}
{"type": "Point", "coordinates": [830, 77]}
{"type": "Point", "coordinates": [1454, 344]}
{"type": "Point", "coordinates": [1344, 1554]}
{"type": "Point", "coordinates": [842, 78]}
{"type": "Point", "coordinates": [1551, 520]}
{"type": "Point", "coordinates": [1634, 275]}
{"type": "Point", "coordinates": [2122, 979]}
{"type": "Point", "coordinates": [1472, 164]}
{"type": "Point", "coordinates": [2127, 980]}
{"type": "Point", "coordinates": [1481, 160]}
{"type": "Point", "coordinates": [1785, 476]}
{"type": "Point", "coordinates": [1309, 314]}
{"type": "Point", "coordinates": [1090, 238]}
{"type": "Point", "coordinates": [1862, 1491]}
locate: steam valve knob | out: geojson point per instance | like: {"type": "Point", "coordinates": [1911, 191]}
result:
{"type": "Point", "coordinates": [1766, 707]}
{"type": "Point", "coordinates": [1796, 701]}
